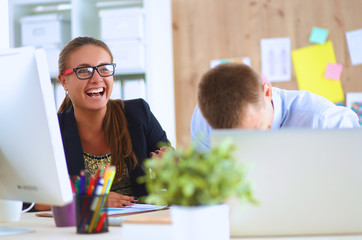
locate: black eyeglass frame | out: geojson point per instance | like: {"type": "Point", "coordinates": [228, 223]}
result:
{"type": "Point", "coordinates": [69, 71]}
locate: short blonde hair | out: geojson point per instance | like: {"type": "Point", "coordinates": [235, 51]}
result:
{"type": "Point", "coordinates": [225, 90]}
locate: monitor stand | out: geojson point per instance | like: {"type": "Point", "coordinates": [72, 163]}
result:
{"type": "Point", "coordinates": [6, 231]}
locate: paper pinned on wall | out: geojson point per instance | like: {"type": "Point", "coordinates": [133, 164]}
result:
{"type": "Point", "coordinates": [275, 59]}
{"type": "Point", "coordinates": [310, 64]}
{"type": "Point", "coordinates": [333, 71]}
{"type": "Point", "coordinates": [245, 60]}
{"type": "Point", "coordinates": [354, 101]}
{"type": "Point", "coordinates": [354, 42]}
{"type": "Point", "coordinates": [318, 35]}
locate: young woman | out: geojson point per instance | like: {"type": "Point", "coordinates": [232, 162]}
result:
{"type": "Point", "coordinates": [97, 131]}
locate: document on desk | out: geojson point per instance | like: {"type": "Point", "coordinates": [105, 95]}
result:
{"type": "Point", "coordinates": [137, 208]}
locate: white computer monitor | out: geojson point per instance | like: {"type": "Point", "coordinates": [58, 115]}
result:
{"type": "Point", "coordinates": [32, 160]}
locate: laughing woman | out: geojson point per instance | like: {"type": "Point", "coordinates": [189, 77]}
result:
{"type": "Point", "coordinates": [97, 131]}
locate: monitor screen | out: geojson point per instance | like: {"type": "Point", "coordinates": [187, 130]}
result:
{"type": "Point", "coordinates": [33, 166]}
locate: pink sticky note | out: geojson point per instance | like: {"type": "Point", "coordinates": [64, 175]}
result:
{"type": "Point", "coordinates": [333, 71]}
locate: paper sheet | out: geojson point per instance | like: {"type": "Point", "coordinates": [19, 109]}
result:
{"type": "Point", "coordinates": [134, 209]}
{"type": "Point", "coordinates": [310, 64]}
{"type": "Point", "coordinates": [275, 59]}
{"type": "Point", "coordinates": [6, 231]}
{"type": "Point", "coordinates": [354, 42]}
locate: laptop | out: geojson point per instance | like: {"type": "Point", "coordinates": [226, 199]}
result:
{"type": "Point", "coordinates": [307, 182]}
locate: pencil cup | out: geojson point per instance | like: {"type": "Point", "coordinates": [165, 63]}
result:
{"type": "Point", "coordinates": [64, 216]}
{"type": "Point", "coordinates": [90, 216]}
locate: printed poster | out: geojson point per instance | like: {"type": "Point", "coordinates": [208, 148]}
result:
{"type": "Point", "coordinates": [275, 59]}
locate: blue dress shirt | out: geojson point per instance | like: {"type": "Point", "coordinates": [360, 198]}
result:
{"type": "Point", "coordinates": [292, 109]}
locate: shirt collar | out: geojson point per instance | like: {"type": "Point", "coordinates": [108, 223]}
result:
{"type": "Point", "coordinates": [277, 105]}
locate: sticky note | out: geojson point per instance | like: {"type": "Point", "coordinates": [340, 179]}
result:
{"type": "Point", "coordinates": [318, 35]}
{"type": "Point", "coordinates": [310, 65]}
{"type": "Point", "coordinates": [333, 71]}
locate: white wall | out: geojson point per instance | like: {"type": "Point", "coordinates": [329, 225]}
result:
{"type": "Point", "coordinates": [159, 64]}
{"type": "Point", "coordinates": [4, 24]}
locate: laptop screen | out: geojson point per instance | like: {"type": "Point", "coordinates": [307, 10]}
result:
{"type": "Point", "coordinates": [307, 182]}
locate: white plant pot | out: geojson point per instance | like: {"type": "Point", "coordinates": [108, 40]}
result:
{"type": "Point", "coordinates": [201, 222]}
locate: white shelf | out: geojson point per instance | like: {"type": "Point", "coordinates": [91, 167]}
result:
{"type": "Point", "coordinates": [134, 71]}
{"type": "Point", "coordinates": [115, 4]}
{"type": "Point", "coordinates": [53, 8]}
{"type": "Point", "coordinates": [84, 18]}
{"type": "Point", "coordinates": [37, 2]}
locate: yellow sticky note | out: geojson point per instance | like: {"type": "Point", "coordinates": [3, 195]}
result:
{"type": "Point", "coordinates": [310, 64]}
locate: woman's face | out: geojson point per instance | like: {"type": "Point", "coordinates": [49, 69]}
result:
{"type": "Point", "coordinates": [93, 93]}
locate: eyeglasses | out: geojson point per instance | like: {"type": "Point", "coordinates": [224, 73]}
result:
{"type": "Point", "coordinates": [83, 73]}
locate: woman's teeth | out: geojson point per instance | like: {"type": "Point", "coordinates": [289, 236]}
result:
{"type": "Point", "coordinates": [95, 92]}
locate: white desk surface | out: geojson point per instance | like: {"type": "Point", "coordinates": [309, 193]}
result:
{"type": "Point", "coordinates": [45, 229]}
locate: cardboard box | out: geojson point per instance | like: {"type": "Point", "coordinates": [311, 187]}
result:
{"type": "Point", "coordinates": [128, 55]}
{"type": "Point", "coordinates": [122, 24]}
{"type": "Point", "coordinates": [46, 30]}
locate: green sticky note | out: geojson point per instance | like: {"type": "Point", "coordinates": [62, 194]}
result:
{"type": "Point", "coordinates": [318, 35]}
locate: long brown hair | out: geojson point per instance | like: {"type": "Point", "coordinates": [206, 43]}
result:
{"type": "Point", "coordinates": [114, 124]}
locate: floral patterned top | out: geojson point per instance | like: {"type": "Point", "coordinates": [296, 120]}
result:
{"type": "Point", "coordinates": [122, 185]}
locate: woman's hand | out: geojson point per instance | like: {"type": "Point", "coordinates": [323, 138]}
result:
{"type": "Point", "coordinates": [158, 153]}
{"type": "Point", "coordinates": [119, 200]}
{"type": "Point", "coordinates": [42, 207]}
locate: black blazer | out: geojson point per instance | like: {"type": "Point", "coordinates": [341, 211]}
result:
{"type": "Point", "coordinates": [144, 129]}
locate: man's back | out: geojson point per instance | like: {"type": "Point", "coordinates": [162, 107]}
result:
{"type": "Point", "coordinates": [292, 109]}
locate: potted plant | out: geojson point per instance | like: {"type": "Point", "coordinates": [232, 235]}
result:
{"type": "Point", "coordinates": [196, 185]}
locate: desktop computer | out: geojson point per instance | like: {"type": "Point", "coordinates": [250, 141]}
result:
{"type": "Point", "coordinates": [33, 166]}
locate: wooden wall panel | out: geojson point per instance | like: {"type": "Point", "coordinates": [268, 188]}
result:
{"type": "Point", "coordinates": [204, 30]}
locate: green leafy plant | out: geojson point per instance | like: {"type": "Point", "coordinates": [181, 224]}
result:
{"type": "Point", "coordinates": [192, 178]}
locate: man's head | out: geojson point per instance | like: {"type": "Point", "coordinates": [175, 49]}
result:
{"type": "Point", "coordinates": [233, 95]}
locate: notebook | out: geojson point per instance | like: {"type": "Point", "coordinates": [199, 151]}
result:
{"type": "Point", "coordinates": [307, 182]}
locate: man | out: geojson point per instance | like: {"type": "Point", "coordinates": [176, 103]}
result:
{"type": "Point", "coordinates": [233, 95]}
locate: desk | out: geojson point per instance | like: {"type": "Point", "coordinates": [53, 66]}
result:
{"type": "Point", "coordinates": [45, 229]}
